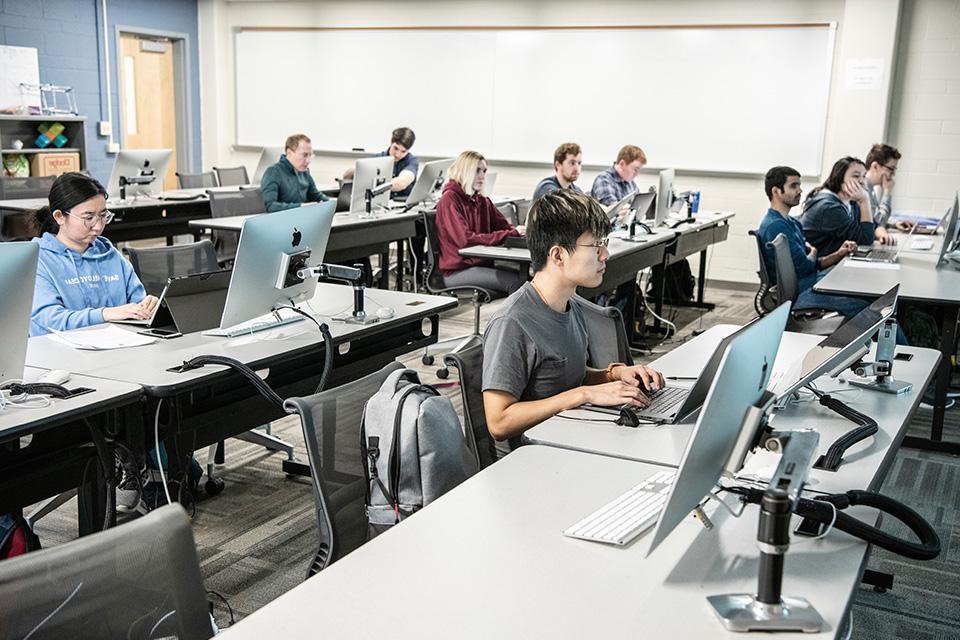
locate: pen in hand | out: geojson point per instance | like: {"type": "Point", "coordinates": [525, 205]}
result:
{"type": "Point", "coordinates": [681, 377]}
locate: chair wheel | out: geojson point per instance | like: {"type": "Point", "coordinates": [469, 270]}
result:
{"type": "Point", "coordinates": [427, 360]}
{"type": "Point", "coordinates": [443, 374]}
{"type": "Point", "coordinates": [213, 486]}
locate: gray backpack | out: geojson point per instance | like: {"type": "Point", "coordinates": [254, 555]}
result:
{"type": "Point", "coordinates": [414, 449]}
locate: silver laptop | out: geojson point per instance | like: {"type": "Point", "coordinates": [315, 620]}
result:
{"type": "Point", "coordinates": [869, 253]}
{"type": "Point", "coordinates": [429, 183]}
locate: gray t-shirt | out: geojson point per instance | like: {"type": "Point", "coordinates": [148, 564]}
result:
{"type": "Point", "coordinates": [549, 185]}
{"type": "Point", "coordinates": [531, 351]}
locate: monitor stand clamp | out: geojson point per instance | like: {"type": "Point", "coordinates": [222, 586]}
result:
{"type": "Point", "coordinates": [353, 276]}
{"type": "Point", "coordinates": [768, 609]}
{"type": "Point", "coordinates": [881, 369]}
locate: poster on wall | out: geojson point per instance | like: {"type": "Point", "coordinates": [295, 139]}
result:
{"type": "Point", "coordinates": [19, 65]}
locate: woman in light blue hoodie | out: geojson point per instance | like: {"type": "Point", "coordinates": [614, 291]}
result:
{"type": "Point", "coordinates": [82, 279]}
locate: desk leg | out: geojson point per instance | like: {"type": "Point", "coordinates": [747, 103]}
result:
{"type": "Point", "coordinates": [385, 269]}
{"type": "Point", "coordinates": [401, 264]}
{"type": "Point", "coordinates": [702, 276]}
{"type": "Point", "coordinates": [948, 341]}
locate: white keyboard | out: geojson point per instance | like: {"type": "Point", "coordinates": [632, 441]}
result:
{"type": "Point", "coordinates": [269, 321]}
{"type": "Point", "coordinates": [628, 515]}
{"type": "Point", "coordinates": [921, 244]}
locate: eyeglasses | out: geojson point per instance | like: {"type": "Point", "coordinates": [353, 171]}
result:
{"type": "Point", "coordinates": [892, 170]}
{"type": "Point", "coordinates": [90, 220]}
{"type": "Point", "coordinates": [599, 244]}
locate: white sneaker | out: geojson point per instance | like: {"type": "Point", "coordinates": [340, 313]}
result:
{"type": "Point", "coordinates": [128, 493]}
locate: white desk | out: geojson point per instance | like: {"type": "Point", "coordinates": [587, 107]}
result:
{"type": "Point", "coordinates": [920, 281]}
{"type": "Point", "coordinates": [488, 560]}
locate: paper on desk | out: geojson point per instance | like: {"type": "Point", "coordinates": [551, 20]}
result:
{"type": "Point", "coordinates": [866, 264]}
{"type": "Point", "coordinates": [101, 338]}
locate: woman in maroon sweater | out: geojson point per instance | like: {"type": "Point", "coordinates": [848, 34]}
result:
{"type": "Point", "coordinates": [467, 218]}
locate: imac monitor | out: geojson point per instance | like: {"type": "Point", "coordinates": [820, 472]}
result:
{"type": "Point", "coordinates": [664, 196]}
{"type": "Point", "coordinates": [949, 231]}
{"type": "Point", "coordinates": [489, 183]}
{"type": "Point", "coordinates": [431, 180]}
{"type": "Point", "coordinates": [740, 383]}
{"type": "Point", "coordinates": [268, 157]}
{"type": "Point", "coordinates": [139, 163]}
{"type": "Point", "coordinates": [371, 173]}
{"type": "Point", "coordinates": [843, 347]}
{"type": "Point", "coordinates": [18, 263]}
{"type": "Point", "coordinates": [264, 256]}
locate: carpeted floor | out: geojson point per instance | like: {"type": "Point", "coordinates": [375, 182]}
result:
{"type": "Point", "coordinates": [256, 539]}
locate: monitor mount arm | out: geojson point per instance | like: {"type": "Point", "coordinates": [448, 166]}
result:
{"type": "Point", "coordinates": [768, 609]}
{"type": "Point", "coordinates": [141, 180]}
{"type": "Point", "coordinates": [881, 369]}
{"type": "Point", "coordinates": [353, 276]}
{"type": "Point", "coordinates": [370, 194]}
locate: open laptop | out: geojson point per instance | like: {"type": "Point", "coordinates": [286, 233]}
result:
{"type": "Point", "coordinates": [429, 183]}
{"type": "Point", "coordinates": [614, 210]}
{"type": "Point", "coordinates": [189, 303]}
{"type": "Point", "coordinates": [870, 253]}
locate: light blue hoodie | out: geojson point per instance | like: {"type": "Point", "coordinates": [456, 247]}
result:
{"type": "Point", "coordinates": [72, 289]}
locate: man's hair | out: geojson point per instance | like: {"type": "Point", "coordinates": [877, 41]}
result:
{"type": "Point", "coordinates": [558, 219]}
{"type": "Point", "coordinates": [403, 136]}
{"type": "Point", "coordinates": [834, 181]}
{"type": "Point", "coordinates": [777, 177]}
{"type": "Point", "coordinates": [629, 153]}
{"type": "Point", "coordinates": [564, 150]}
{"type": "Point", "coordinates": [464, 170]}
{"type": "Point", "coordinates": [882, 154]}
{"type": "Point", "coordinates": [294, 141]}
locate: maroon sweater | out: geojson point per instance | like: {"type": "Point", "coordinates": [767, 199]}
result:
{"type": "Point", "coordinates": [467, 221]}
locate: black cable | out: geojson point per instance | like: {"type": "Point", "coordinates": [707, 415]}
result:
{"type": "Point", "coordinates": [106, 464]}
{"type": "Point", "coordinates": [241, 368]}
{"type": "Point", "coordinates": [225, 602]}
{"type": "Point", "coordinates": [833, 458]}
{"type": "Point", "coordinates": [37, 388]}
{"type": "Point", "coordinates": [327, 345]}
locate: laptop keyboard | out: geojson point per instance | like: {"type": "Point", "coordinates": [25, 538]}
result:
{"type": "Point", "coordinates": [662, 402]}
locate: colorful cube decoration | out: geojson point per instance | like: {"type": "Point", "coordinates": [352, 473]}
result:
{"type": "Point", "coordinates": [51, 134]}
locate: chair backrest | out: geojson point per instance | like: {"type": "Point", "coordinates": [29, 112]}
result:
{"type": "Point", "coordinates": [786, 274]}
{"type": "Point", "coordinates": [140, 579]}
{"type": "Point", "coordinates": [468, 361]}
{"type": "Point", "coordinates": [344, 196]}
{"type": "Point", "coordinates": [331, 422]}
{"type": "Point", "coordinates": [197, 180]}
{"type": "Point", "coordinates": [766, 299]}
{"type": "Point", "coordinates": [20, 188]}
{"type": "Point", "coordinates": [156, 264]}
{"type": "Point", "coordinates": [231, 176]}
{"type": "Point", "coordinates": [224, 204]}
{"type": "Point", "coordinates": [433, 278]}
{"type": "Point", "coordinates": [606, 336]}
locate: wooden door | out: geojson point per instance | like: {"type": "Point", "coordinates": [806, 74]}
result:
{"type": "Point", "coordinates": [147, 111]}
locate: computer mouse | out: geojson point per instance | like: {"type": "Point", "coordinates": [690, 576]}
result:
{"type": "Point", "coordinates": [627, 417]}
{"type": "Point", "coordinates": [385, 313]}
{"type": "Point", "coordinates": [55, 376]}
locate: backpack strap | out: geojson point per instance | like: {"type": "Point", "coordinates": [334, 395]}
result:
{"type": "Point", "coordinates": [393, 462]}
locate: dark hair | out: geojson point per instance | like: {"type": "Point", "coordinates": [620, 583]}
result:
{"type": "Point", "coordinates": [558, 219]}
{"type": "Point", "coordinates": [834, 181]}
{"type": "Point", "coordinates": [881, 154]}
{"type": "Point", "coordinates": [777, 177]}
{"type": "Point", "coordinates": [564, 150]}
{"type": "Point", "coordinates": [68, 190]}
{"type": "Point", "coordinates": [403, 136]}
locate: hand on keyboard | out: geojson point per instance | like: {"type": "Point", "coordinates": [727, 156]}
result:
{"type": "Point", "coordinates": [612, 394]}
{"type": "Point", "coordinates": [645, 378]}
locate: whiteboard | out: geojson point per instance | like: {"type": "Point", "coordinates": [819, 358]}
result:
{"type": "Point", "coordinates": [709, 99]}
{"type": "Point", "coordinates": [18, 64]}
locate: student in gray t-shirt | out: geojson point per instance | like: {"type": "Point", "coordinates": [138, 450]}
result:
{"type": "Point", "coordinates": [535, 345]}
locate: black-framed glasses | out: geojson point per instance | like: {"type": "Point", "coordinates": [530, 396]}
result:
{"type": "Point", "coordinates": [90, 220]}
{"type": "Point", "coordinates": [892, 170]}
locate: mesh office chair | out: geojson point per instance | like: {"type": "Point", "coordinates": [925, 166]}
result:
{"type": "Point", "coordinates": [154, 266]}
{"type": "Point", "coordinates": [821, 322]}
{"type": "Point", "coordinates": [606, 336]}
{"type": "Point", "coordinates": [196, 180]}
{"type": "Point", "coordinates": [224, 204]}
{"type": "Point", "coordinates": [433, 282]}
{"type": "Point", "coordinates": [138, 580]}
{"type": "Point", "coordinates": [468, 362]}
{"type": "Point", "coordinates": [331, 422]}
{"type": "Point", "coordinates": [231, 176]}
{"type": "Point", "coordinates": [766, 299]}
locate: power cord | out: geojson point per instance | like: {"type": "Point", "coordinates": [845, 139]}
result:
{"type": "Point", "coordinates": [226, 603]}
{"type": "Point", "coordinates": [833, 458]}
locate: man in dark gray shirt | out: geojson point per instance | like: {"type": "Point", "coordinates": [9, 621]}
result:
{"type": "Point", "coordinates": [535, 345]}
{"type": "Point", "coordinates": [566, 169]}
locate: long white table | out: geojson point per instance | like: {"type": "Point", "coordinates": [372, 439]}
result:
{"type": "Point", "coordinates": [922, 281]}
{"type": "Point", "coordinates": [488, 559]}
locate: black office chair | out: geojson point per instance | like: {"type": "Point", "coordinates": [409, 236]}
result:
{"type": "Point", "coordinates": [231, 176]}
{"type": "Point", "coordinates": [433, 282]}
{"type": "Point", "coordinates": [766, 299]}
{"type": "Point", "coordinates": [155, 265]}
{"type": "Point", "coordinates": [196, 180]}
{"type": "Point", "coordinates": [821, 322]}
{"type": "Point", "coordinates": [344, 196]}
{"type": "Point", "coordinates": [138, 580]}
{"type": "Point", "coordinates": [606, 335]}
{"type": "Point", "coordinates": [468, 362]}
{"type": "Point", "coordinates": [224, 204]}
{"type": "Point", "coordinates": [331, 422]}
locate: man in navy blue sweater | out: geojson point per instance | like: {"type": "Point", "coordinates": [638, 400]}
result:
{"type": "Point", "coordinates": [782, 185]}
